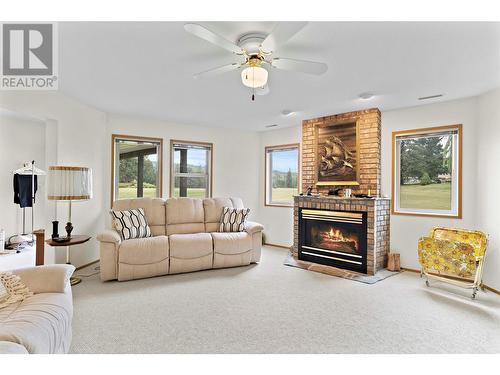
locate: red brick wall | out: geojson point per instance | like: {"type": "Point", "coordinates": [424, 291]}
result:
{"type": "Point", "coordinates": [369, 150]}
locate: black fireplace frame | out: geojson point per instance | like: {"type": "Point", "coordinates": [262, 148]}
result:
{"type": "Point", "coordinates": [336, 259]}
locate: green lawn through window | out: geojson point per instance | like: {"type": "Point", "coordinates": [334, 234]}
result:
{"type": "Point", "coordinates": [284, 195]}
{"type": "Point", "coordinates": [433, 196]}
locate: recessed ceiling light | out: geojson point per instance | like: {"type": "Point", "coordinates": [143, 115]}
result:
{"type": "Point", "coordinates": [430, 97]}
{"type": "Point", "coordinates": [271, 126]}
{"type": "Point", "coordinates": [366, 95]}
{"type": "Point", "coordinates": [287, 112]}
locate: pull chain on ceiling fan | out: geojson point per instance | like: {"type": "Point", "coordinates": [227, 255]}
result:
{"type": "Point", "coordinates": [257, 50]}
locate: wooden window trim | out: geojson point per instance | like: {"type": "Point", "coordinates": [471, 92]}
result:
{"type": "Point", "coordinates": [435, 129]}
{"type": "Point", "coordinates": [114, 137]}
{"type": "Point", "coordinates": [171, 170]}
{"type": "Point", "coordinates": [299, 172]}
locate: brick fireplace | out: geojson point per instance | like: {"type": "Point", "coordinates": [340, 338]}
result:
{"type": "Point", "coordinates": [373, 256]}
{"type": "Point", "coordinates": [347, 233]}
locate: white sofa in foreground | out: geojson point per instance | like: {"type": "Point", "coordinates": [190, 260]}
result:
{"type": "Point", "coordinates": [185, 239]}
{"type": "Point", "coordinates": [41, 324]}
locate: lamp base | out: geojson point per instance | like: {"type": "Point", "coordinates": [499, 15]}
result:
{"type": "Point", "coordinates": [55, 229]}
{"type": "Point", "coordinates": [69, 228]}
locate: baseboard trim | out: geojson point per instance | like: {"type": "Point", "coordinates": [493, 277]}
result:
{"type": "Point", "coordinates": [86, 265]}
{"type": "Point", "coordinates": [275, 245]}
{"type": "Point", "coordinates": [456, 278]}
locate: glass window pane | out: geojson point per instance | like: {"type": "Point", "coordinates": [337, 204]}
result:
{"type": "Point", "coordinates": [192, 187]}
{"type": "Point", "coordinates": [138, 171]}
{"type": "Point", "coordinates": [197, 161]}
{"type": "Point", "coordinates": [177, 160]}
{"type": "Point", "coordinates": [426, 172]}
{"type": "Point", "coordinates": [191, 160]}
{"type": "Point", "coordinates": [284, 175]}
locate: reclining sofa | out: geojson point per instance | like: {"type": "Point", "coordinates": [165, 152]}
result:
{"type": "Point", "coordinates": [185, 238]}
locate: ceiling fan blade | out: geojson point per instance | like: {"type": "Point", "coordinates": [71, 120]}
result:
{"type": "Point", "coordinates": [262, 90]}
{"type": "Point", "coordinates": [218, 70]}
{"type": "Point", "coordinates": [280, 35]}
{"type": "Point", "coordinates": [309, 67]}
{"type": "Point", "coordinates": [209, 36]}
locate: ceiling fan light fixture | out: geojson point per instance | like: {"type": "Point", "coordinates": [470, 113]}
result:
{"type": "Point", "coordinates": [254, 77]}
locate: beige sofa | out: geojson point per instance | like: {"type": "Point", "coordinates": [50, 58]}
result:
{"type": "Point", "coordinates": [185, 239]}
{"type": "Point", "coordinates": [41, 323]}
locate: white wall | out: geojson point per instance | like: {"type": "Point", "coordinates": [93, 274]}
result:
{"type": "Point", "coordinates": [75, 135]}
{"type": "Point", "coordinates": [277, 221]}
{"type": "Point", "coordinates": [236, 165]}
{"type": "Point", "coordinates": [488, 181]}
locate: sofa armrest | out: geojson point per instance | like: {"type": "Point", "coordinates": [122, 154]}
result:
{"type": "Point", "coordinates": [110, 236]}
{"type": "Point", "coordinates": [7, 347]}
{"type": "Point", "coordinates": [46, 279]}
{"type": "Point", "coordinates": [252, 227]}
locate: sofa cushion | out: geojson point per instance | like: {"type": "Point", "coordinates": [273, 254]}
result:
{"type": "Point", "coordinates": [213, 211]}
{"type": "Point", "coordinates": [7, 347]}
{"type": "Point", "coordinates": [143, 257]}
{"type": "Point", "coordinates": [41, 323]}
{"type": "Point", "coordinates": [232, 249]}
{"type": "Point", "coordinates": [233, 219]}
{"type": "Point", "coordinates": [232, 243]}
{"type": "Point", "coordinates": [190, 252]}
{"type": "Point", "coordinates": [131, 223]}
{"type": "Point", "coordinates": [154, 209]}
{"type": "Point", "coordinates": [49, 278]}
{"type": "Point", "coordinates": [185, 215]}
{"type": "Point", "coordinates": [188, 246]}
{"type": "Point", "coordinates": [144, 250]}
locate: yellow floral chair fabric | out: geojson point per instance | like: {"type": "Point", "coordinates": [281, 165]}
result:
{"type": "Point", "coordinates": [448, 253]}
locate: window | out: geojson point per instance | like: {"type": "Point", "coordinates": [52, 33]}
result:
{"type": "Point", "coordinates": [427, 171]}
{"type": "Point", "coordinates": [191, 169]}
{"type": "Point", "coordinates": [282, 175]}
{"type": "Point", "coordinates": [137, 167]}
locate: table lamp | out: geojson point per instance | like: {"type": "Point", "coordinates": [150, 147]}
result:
{"type": "Point", "coordinates": [69, 184]}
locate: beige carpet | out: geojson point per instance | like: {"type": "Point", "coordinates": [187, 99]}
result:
{"type": "Point", "coordinates": [272, 308]}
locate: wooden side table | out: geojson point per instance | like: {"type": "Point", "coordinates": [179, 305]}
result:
{"type": "Point", "coordinates": [75, 240]}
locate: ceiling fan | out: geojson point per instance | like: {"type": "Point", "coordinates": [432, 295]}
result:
{"type": "Point", "coordinates": [257, 50]}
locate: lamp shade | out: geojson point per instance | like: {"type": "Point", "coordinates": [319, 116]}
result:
{"type": "Point", "coordinates": [254, 76]}
{"type": "Point", "coordinates": [69, 183]}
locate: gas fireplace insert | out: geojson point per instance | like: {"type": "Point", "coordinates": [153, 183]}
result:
{"type": "Point", "coordinates": [334, 238]}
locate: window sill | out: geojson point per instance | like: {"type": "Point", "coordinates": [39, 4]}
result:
{"type": "Point", "coordinates": [422, 214]}
{"type": "Point", "coordinates": [290, 205]}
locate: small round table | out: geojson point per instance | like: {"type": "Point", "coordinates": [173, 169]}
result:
{"type": "Point", "coordinates": [74, 240]}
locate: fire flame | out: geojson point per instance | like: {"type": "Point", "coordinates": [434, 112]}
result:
{"type": "Point", "coordinates": [335, 235]}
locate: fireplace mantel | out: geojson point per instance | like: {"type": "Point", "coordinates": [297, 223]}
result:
{"type": "Point", "coordinates": [378, 223]}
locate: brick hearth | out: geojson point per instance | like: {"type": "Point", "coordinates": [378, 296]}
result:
{"type": "Point", "coordinates": [378, 223]}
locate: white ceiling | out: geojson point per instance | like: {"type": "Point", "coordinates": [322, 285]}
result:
{"type": "Point", "coordinates": [146, 69]}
